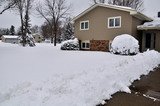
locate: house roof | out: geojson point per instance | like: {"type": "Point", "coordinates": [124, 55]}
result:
{"type": "Point", "coordinates": [10, 36]}
{"type": "Point", "coordinates": [155, 24]}
{"type": "Point", "coordinates": [36, 34]}
{"type": "Point", "coordinates": [132, 12]}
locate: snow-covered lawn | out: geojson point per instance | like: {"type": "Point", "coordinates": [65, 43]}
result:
{"type": "Point", "coordinates": [46, 76]}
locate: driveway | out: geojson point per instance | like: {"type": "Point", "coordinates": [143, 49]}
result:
{"type": "Point", "coordinates": [142, 92]}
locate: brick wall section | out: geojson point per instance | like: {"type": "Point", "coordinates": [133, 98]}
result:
{"type": "Point", "coordinates": [99, 45]}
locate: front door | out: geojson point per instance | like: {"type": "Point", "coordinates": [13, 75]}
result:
{"type": "Point", "coordinates": [150, 40]}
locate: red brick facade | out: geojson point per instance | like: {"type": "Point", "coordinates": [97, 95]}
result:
{"type": "Point", "coordinates": [99, 45]}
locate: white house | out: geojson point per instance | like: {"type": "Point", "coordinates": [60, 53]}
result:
{"type": "Point", "coordinates": [37, 37]}
{"type": "Point", "coordinates": [10, 39]}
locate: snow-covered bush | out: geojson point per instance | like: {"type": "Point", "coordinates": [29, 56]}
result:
{"type": "Point", "coordinates": [70, 45]}
{"type": "Point", "coordinates": [125, 44]}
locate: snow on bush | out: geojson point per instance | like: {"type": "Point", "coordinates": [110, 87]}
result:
{"type": "Point", "coordinates": [70, 45]}
{"type": "Point", "coordinates": [125, 44]}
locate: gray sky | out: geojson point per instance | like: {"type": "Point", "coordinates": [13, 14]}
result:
{"type": "Point", "coordinates": [9, 18]}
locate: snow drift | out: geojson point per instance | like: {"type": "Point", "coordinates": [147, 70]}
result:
{"type": "Point", "coordinates": [47, 76]}
{"type": "Point", "coordinates": [125, 44]}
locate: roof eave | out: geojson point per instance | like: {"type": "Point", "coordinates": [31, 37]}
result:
{"type": "Point", "coordinates": [141, 16]}
{"type": "Point", "coordinates": [132, 12]}
{"type": "Point", "coordinates": [102, 5]}
{"type": "Point", "coordinates": [84, 12]}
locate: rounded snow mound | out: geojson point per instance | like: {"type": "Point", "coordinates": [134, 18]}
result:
{"type": "Point", "coordinates": [125, 44]}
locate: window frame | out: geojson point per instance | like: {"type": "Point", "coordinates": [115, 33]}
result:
{"type": "Point", "coordinates": [85, 42]}
{"type": "Point", "coordinates": [84, 23]}
{"type": "Point", "coordinates": [114, 24]}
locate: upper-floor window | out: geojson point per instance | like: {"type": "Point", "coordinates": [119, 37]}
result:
{"type": "Point", "coordinates": [84, 25]}
{"type": "Point", "coordinates": [114, 22]}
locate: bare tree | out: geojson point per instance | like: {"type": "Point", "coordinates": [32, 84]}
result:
{"type": "Point", "coordinates": [28, 7]}
{"type": "Point", "coordinates": [135, 4]}
{"type": "Point", "coordinates": [23, 7]}
{"type": "Point", "coordinates": [53, 12]}
{"type": "Point", "coordinates": [35, 29]}
{"type": "Point", "coordinates": [7, 4]}
{"type": "Point", "coordinates": [98, 1]}
{"type": "Point", "coordinates": [46, 30]}
{"type": "Point", "coordinates": [20, 9]}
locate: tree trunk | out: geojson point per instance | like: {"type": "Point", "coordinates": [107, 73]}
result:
{"type": "Point", "coordinates": [55, 40]}
{"type": "Point", "coordinates": [52, 39]}
{"type": "Point", "coordinates": [22, 30]}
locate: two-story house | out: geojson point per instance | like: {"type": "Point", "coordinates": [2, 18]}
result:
{"type": "Point", "coordinates": [97, 26]}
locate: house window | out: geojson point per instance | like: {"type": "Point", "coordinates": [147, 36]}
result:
{"type": "Point", "coordinates": [84, 25]}
{"type": "Point", "coordinates": [114, 22]}
{"type": "Point", "coordinates": [85, 45]}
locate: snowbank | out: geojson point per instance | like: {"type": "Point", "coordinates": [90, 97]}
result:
{"type": "Point", "coordinates": [125, 44]}
{"type": "Point", "coordinates": [46, 76]}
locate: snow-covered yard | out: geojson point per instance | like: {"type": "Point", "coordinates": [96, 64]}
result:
{"type": "Point", "coordinates": [46, 76]}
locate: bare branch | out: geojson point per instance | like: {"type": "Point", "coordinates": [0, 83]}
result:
{"type": "Point", "coordinates": [53, 11]}
{"type": "Point", "coordinates": [9, 4]}
{"type": "Point", "coordinates": [135, 4]}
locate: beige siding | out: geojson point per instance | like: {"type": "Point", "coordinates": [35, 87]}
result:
{"type": "Point", "coordinates": [137, 34]}
{"type": "Point", "coordinates": [135, 23]}
{"type": "Point", "coordinates": [98, 24]}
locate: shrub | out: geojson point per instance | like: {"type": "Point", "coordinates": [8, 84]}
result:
{"type": "Point", "coordinates": [125, 44]}
{"type": "Point", "coordinates": [70, 45]}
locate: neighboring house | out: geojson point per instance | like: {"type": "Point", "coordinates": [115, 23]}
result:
{"type": "Point", "coordinates": [10, 39]}
{"type": "Point", "coordinates": [97, 26]}
{"type": "Point", "coordinates": [37, 37]}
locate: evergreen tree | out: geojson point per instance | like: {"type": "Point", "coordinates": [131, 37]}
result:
{"type": "Point", "coordinates": [68, 32]}
{"type": "Point", "coordinates": [7, 32]}
{"type": "Point", "coordinates": [12, 30]}
{"type": "Point", "coordinates": [27, 24]}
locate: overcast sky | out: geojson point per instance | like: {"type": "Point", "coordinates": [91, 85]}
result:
{"type": "Point", "coordinates": [9, 18]}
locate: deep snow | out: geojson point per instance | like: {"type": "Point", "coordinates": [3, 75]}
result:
{"type": "Point", "coordinates": [46, 76]}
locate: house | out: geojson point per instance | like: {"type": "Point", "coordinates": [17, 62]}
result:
{"type": "Point", "coordinates": [97, 26]}
{"type": "Point", "coordinates": [151, 35]}
{"type": "Point", "coordinates": [10, 39]}
{"type": "Point", "coordinates": [37, 37]}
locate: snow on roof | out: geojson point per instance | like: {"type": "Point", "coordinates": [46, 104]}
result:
{"type": "Point", "coordinates": [155, 24]}
{"type": "Point", "coordinates": [10, 36]}
{"type": "Point", "coordinates": [37, 34]}
{"type": "Point", "coordinates": [122, 8]}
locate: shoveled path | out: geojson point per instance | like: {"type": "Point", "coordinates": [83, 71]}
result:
{"type": "Point", "coordinates": [148, 85]}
